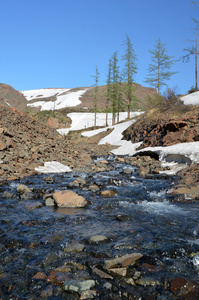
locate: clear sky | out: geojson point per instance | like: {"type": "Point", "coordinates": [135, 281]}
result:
{"type": "Point", "coordinates": [58, 43]}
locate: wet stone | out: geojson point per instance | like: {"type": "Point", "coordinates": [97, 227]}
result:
{"type": "Point", "coordinates": [57, 277]}
{"type": "Point", "coordinates": [69, 199]}
{"type": "Point", "coordinates": [40, 276]}
{"type": "Point", "coordinates": [47, 292]}
{"type": "Point", "coordinates": [21, 189]}
{"type": "Point", "coordinates": [78, 285]}
{"type": "Point", "coordinates": [49, 202]}
{"type": "Point", "coordinates": [33, 205]}
{"type": "Point", "coordinates": [108, 193]}
{"type": "Point", "coordinates": [89, 294]}
{"type": "Point", "coordinates": [94, 188]}
{"type": "Point", "coordinates": [27, 196]}
{"type": "Point", "coordinates": [148, 281]}
{"type": "Point", "coordinates": [185, 289]}
{"type": "Point", "coordinates": [101, 273]}
{"type": "Point", "coordinates": [8, 195]}
{"type": "Point", "coordinates": [52, 238]}
{"type": "Point", "coordinates": [49, 259]}
{"type": "Point", "coordinates": [127, 171]}
{"type": "Point", "coordinates": [96, 239]}
{"type": "Point", "coordinates": [119, 271]}
{"type": "Point", "coordinates": [122, 261]}
{"type": "Point", "coordinates": [74, 248]}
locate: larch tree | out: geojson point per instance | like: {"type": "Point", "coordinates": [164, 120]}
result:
{"type": "Point", "coordinates": [130, 69]}
{"type": "Point", "coordinates": [159, 70]}
{"type": "Point", "coordinates": [121, 103]}
{"type": "Point", "coordinates": [193, 50]}
{"type": "Point", "coordinates": [114, 86]}
{"type": "Point", "coordinates": [95, 101]}
{"type": "Point", "coordinates": [108, 86]}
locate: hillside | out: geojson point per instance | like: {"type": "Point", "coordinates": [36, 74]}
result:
{"type": "Point", "coordinates": [141, 93]}
{"type": "Point", "coordinates": [11, 97]}
{"type": "Point", "coordinates": [76, 99]}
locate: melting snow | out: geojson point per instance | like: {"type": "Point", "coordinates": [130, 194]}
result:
{"type": "Point", "coordinates": [64, 98]}
{"type": "Point", "coordinates": [53, 167]}
{"type": "Point", "coordinates": [191, 99]}
{"type": "Point", "coordinates": [174, 155]}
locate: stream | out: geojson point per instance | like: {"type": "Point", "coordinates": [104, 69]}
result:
{"type": "Point", "coordinates": [140, 217]}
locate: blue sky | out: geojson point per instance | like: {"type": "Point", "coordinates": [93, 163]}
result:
{"type": "Point", "coordinates": [58, 43]}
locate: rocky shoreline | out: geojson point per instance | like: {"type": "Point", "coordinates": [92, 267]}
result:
{"type": "Point", "coordinates": [93, 265]}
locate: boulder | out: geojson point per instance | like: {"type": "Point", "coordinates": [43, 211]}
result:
{"type": "Point", "coordinates": [69, 199]}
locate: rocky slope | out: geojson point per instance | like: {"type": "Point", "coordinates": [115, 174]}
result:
{"type": "Point", "coordinates": [164, 126]}
{"type": "Point", "coordinates": [10, 97]}
{"type": "Point", "coordinates": [25, 144]}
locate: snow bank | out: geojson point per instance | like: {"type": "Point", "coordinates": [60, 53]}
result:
{"type": "Point", "coordinates": [191, 99]}
{"type": "Point", "coordinates": [180, 153]}
{"type": "Point", "coordinates": [86, 120]}
{"type": "Point", "coordinates": [183, 153]}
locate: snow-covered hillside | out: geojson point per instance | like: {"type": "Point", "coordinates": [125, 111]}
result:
{"type": "Point", "coordinates": [175, 154]}
{"type": "Point", "coordinates": [61, 98]}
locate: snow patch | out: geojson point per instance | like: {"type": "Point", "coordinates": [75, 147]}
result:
{"type": "Point", "coordinates": [42, 93]}
{"type": "Point", "coordinates": [86, 120]}
{"type": "Point", "coordinates": [53, 167]}
{"type": "Point", "coordinates": [64, 98]}
{"type": "Point", "coordinates": [191, 99]}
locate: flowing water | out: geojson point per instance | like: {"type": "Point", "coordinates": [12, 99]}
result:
{"type": "Point", "coordinates": [140, 218]}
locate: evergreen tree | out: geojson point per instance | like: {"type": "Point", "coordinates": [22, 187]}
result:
{"type": "Point", "coordinates": [114, 86]}
{"type": "Point", "coordinates": [158, 71]}
{"type": "Point", "coordinates": [121, 103]}
{"type": "Point", "coordinates": [130, 69]}
{"type": "Point", "coordinates": [95, 102]}
{"type": "Point", "coordinates": [108, 92]}
{"type": "Point", "coordinates": [193, 51]}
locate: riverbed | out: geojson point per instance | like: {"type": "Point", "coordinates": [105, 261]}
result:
{"type": "Point", "coordinates": [43, 247]}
